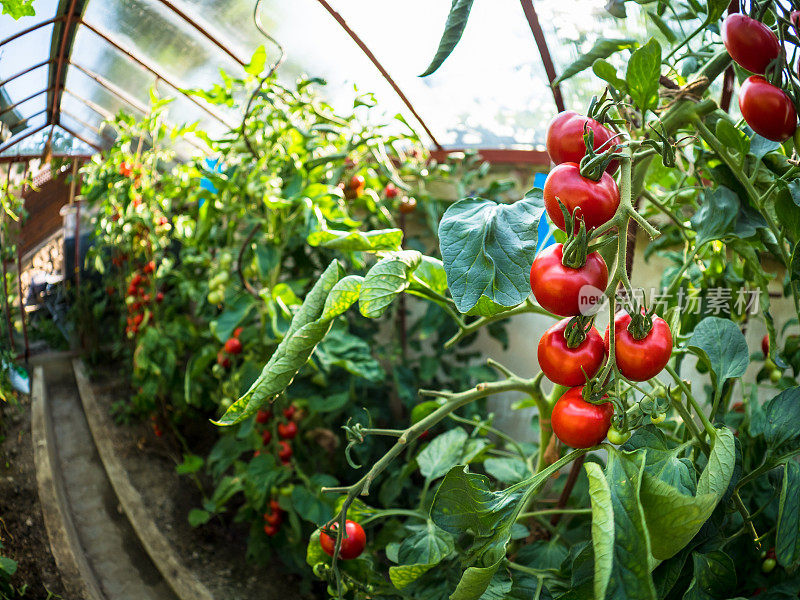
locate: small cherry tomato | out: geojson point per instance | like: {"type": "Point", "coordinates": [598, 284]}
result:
{"type": "Point", "coordinates": [640, 360]}
{"type": "Point", "coordinates": [768, 565]}
{"type": "Point", "coordinates": [160, 297]}
{"type": "Point", "coordinates": [285, 452]}
{"type": "Point", "coordinates": [657, 419]}
{"type": "Point", "coordinates": [617, 437]}
{"type": "Point", "coordinates": [391, 190]}
{"type": "Point", "coordinates": [595, 202]}
{"type": "Point", "coordinates": [565, 138]}
{"type": "Point", "coordinates": [565, 291]}
{"type": "Point", "coordinates": [150, 267]}
{"type": "Point", "coordinates": [570, 366]}
{"type": "Point", "coordinates": [238, 331]}
{"type": "Point", "coordinates": [266, 437]}
{"type": "Point", "coordinates": [223, 360]}
{"type": "Point", "coordinates": [750, 43]}
{"type": "Point", "coordinates": [768, 110]}
{"type": "Point", "coordinates": [233, 346]}
{"type": "Point", "coordinates": [289, 411]}
{"type": "Point", "coordinates": [273, 518]}
{"type": "Point", "coordinates": [274, 505]}
{"type": "Point", "coordinates": [578, 423]}
{"type": "Point", "coordinates": [263, 416]}
{"type": "Point", "coordinates": [271, 530]}
{"type": "Point", "coordinates": [287, 431]}
{"type": "Point", "coordinates": [765, 345]}
{"type": "Point", "coordinates": [353, 542]}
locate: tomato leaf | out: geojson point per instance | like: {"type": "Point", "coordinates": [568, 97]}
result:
{"type": "Point", "coordinates": [506, 470]}
{"type": "Point", "coordinates": [643, 74]}
{"type": "Point", "coordinates": [603, 48]}
{"type": "Point", "coordinates": [721, 345]}
{"type": "Point", "coordinates": [420, 552]}
{"type": "Point", "coordinates": [443, 453]}
{"type": "Point", "coordinates": [608, 73]}
{"type": "Point", "coordinates": [714, 576]}
{"type": "Point", "coordinates": [715, 10]}
{"type": "Point", "coordinates": [661, 458]}
{"type": "Point", "coordinates": [487, 249]}
{"type": "Point", "coordinates": [388, 278]}
{"type": "Point", "coordinates": [787, 538]}
{"type": "Point", "coordinates": [782, 414]}
{"type": "Point", "coordinates": [453, 30]}
{"type": "Point", "coordinates": [18, 8]}
{"type": "Point", "coordinates": [257, 62]}
{"type": "Point", "coordinates": [357, 241]}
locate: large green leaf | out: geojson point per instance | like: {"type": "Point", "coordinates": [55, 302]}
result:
{"type": "Point", "coordinates": [443, 453]}
{"type": "Point", "coordinates": [673, 518]}
{"type": "Point", "coordinates": [307, 329]}
{"type": "Point", "coordinates": [474, 582]}
{"type": "Point", "coordinates": [716, 216]}
{"type": "Point", "coordinates": [714, 576]}
{"type": "Point", "coordinates": [662, 459]}
{"type": "Point", "coordinates": [18, 8]}
{"type": "Point", "coordinates": [487, 249]}
{"type": "Point", "coordinates": [602, 528]}
{"type": "Point", "coordinates": [643, 74]}
{"type": "Point", "coordinates": [420, 552]}
{"type": "Point", "coordinates": [780, 427]}
{"type": "Point", "coordinates": [603, 48]}
{"type": "Point", "coordinates": [389, 277]}
{"type": "Point", "coordinates": [343, 295]}
{"type": "Point", "coordinates": [721, 344]}
{"type": "Point", "coordinates": [506, 470]}
{"type": "Point", "coordinates": [352, 241]}
{"type": "Point", "coordinates": [787, 545]}
{"type": "Point", "coordinates": [453, 30]}
{"type": "Point", "coordinates": [222, 327]}
{"type": "Point", "coordinates": [715, 10]}
{"type": "Point", "coordinates": [627, 574]}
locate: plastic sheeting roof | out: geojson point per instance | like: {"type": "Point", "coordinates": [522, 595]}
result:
{"type": "Point", "coordinates": [92, 58]}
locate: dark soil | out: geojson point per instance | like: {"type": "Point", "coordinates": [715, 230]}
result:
{"type": "Point", "coordinates": [22, 529]}
{"type": "Point", "coordinates": [214, 552]}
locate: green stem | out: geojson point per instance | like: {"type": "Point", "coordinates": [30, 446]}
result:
{"type": "Point", "coordinates": [526, 307]}
{"type": "Point", "coordinates": [709, 428]}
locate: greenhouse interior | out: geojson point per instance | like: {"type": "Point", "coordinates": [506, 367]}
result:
{"type": "Point", "coordinates": [313, 299]}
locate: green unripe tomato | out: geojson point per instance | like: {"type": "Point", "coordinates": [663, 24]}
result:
{"type": "Point", "coordinates": [215, 297]}
{"type": "Point", "coordinates": [768, 565]}
{"type": "Point", "coordinates": [286, 490]}
{"type": "Point", "coordinates": [225, 402]}
{"type": "Point", "coordinates": [659, 418]}
{"type": "Point", "coordinates": [217, 371]}
{"type": "Point", "coordinates": [775, 375]}
{"type": "Point", "coordinates": [617, 437]}
{"type": "Point", "coordinates": [225, 260]}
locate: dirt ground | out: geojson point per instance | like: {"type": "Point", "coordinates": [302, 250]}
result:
{"type": "Point", "coordinates": [215, 553]}
{"type": "Point", "coordinates": [22, 528]}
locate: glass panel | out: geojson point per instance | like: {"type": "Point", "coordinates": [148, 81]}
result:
{"type": "Point", "coordinates": [161, 39]}
{"type": "Point", "coordinates": [81, 111]}
{"type": "Point", "coordinates": [88, 89]}
{"type": "Point", "coordinates": [80, 129]}
{"type": "Point", "coordinates": [182, 111]}
{"type": "Point", "coordinates": [21, 88]}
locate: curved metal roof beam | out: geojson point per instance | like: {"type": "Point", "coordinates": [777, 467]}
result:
{"type": "Point", "coordinates": [110, 87]}
{"type": "Point", "coordinates": [13, 142]}
{"type": "Point", "coordinates": [359, 42]}
{"type": "Point", "coordinates": [544, 51]}
{"type": "Point", "coordinates": [31, 29]}
{"type": "Point", "coordinates": [58, 73]}
{"type": "Point", "coordinates": [25, 72]}
{"type": "Point", "coordinates": [80, 137]}
{"type": "Point", "coordinates": [28, 118]}
{"type": "Point", "coordinates": [23, 101]}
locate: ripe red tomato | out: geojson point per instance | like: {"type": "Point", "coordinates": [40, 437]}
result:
{"type": "Point", "coordinates": [570, 366]}
{"type": "Point", "coordinates": [640, 360]}
{"type": "Point", "coordinates": [238, 331]}
{"type": "Point", "coordinates": [285, 453]}
{"type": "Point", "coordinates": [578, 423]}
{"type": "Point", "coordinates": [391, 190]}
{"type": "Point", "coordinates": [596, 201]}
{"type": "Point", "coordinates": [289, 411]}
{"type": "Point", "coordinates": [565, 138]}
{"type": "Point", "coordinates": [233, 346]}
{"type": "Point", "coordinates": [357, 183]}
{"type": "Point", "coordinates": [559, 289]}
{"type": "Point", "coordinates": [266, 437]}
{"type": "Point", "coordinates": [767, 109]}
{"type": "Point", "coordinates": [137, 279]}
{"type": "Point", "coordinates": [160, 297]}
{"type": "Point", "coordinates": [274, 506]}
{"type": "Point", "coordinates": [263, 416]}
{"type": "Point", "coordinates": [223, 361]}
{"type": "Point", "coordinates": [273, 518]}
{"type": "Point", "coordinates": [750, 43]}
{"type": "Point", "coordinates": [287, 431]}
{"type": "Point", "coordinates": [271, 530]}
{"type": "Point", "coordinates": [765, 345]}
{"type": "Point", "coordinates": [150, 267]}
{"type": "Point", "coordinates": [353, 542]}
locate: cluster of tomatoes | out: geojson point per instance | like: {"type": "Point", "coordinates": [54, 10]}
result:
{"type": "Point", "coordinates": [569, 281]}
{"type": "Point", "coordinates": [131, 171]}
{"type": "Point", "coordinates": [286, 431]}
{"type": "Point", "coordinates": [139, 299]}
{"type": "Point", "coordinates": [273, 518]}
{"type": "Point", "coordinates": [232, 347]}
{"type": "Point", "coordinates": [768, 109]}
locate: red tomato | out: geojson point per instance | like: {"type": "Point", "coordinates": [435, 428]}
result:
{"type": "Point", "coordinates": [767, 109]}
{"type": "Point", "coordinates": [765, 345]}
{"type": "Point", "coordinates": [263, 416]}
{"type": "Point", "coordinates": [287, 431]}
{"type": "Point", "coordinates": [353, 542]}
{"type": "Point", "coordinates": [357, 182]}
{"type": "Point", "coordinates": [238, 331]}
{"type": "Point", "coordinates": [596, 201]}
{"type": "Point", "coordinates": [160, 297]}
{"type": "Point", "coordinates": [391, 190]}
{"type": "Point", "coordinates": [570, 366]}
{"type": "Point", "coordinates": [639, 360]}
{"type": "Point", "coordinates": [223, 361]}
{"type": "Point", "coordinates": [273, 518]}
{"type": "Point", "coordinates": [266, 437]}
{"type": "Point", "coordinates": [137, 279]}
{"type": "Point", "coordinates": [565, 138]}
{"type": "Point", "coordinates": [233, 346]}
{"type": "Point", "coordinates": [274, 506]}
{"type": "Point", "coordinates": [285, 453]}
{"type": "Point", "coordinates": [150, 267]}
{"type": "Point", "coordinates": [271, 530]}
{"type": "Point", "coordinates": [749, 42]}
{"type": "Point", "coordinates": [289, 411]}
{"type": "Point", "coordinates": [559, 289]}
{"type": "Point", "coordinates": [578, 423]}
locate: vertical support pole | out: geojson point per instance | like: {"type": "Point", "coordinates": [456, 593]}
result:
{"type": "Point", "coordinates": [6, 308]}
{"type": "Point", "coordinates": [77, 225]}
{"type": "Point", "coordinates": [22, 315]}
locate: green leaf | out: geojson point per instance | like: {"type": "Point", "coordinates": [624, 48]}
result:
{"type": "Point", "coordinates": [608, 73]}
{"type": "Point", "coordinates": [343, 295]}
{"type": "Point", "coordinates": [714, 576]}
{"type": "Point", "coordinates": [487, 249]}
{"type": "Point", "coordinates": [350, 352]}
{"type": "Point", "coordinates": [429, 545]}
{"type": "Point", "coordinates": [357, 241]}
{"type": "Point", "coordinates": [661, 458]}
{"type": "Point", "coordinates": [453, 30]}
{"type": "Point", "coordinates": [18, 9]}
{"type": "Point", "coordinates": [230, 318]}
{"type": "Point", "coordinates": [715, 10]}
{"type": "Point", "coordinates": [404, 575]}
{"type": "Point", "coordinates": [721, 345]}
{"type": "Point", "coordinates": [305, 332]}
{"type": "Point", "coordinates": [787, 544]}
{"type": "Point", "coordinates": [465, 503]}
{"type": "Point", "coordinates": [430, 272]}
{"type": "Point", "coordinates": [643, 74]}
{"type": "Point", "coordinates": [716, 216]}
{"type": "Point", "coordinates": [198, 516]}
{"type": "Point", "coordinates": [780, 427]}
{"type": "Point", "coordinates": [602, 527]}
{"type": "Point", "coordinates": [673, 517]}
{"type": "Point", "coordinates": [314, 552]}
{"type": "Point", "coordinates": [602, 49]}
{"type": "Point", "coordinates": [388, 278]}
{"type": "Point", "coordinates": [8, 566]}
{"type": "Point", "coordinates": [191, 464]}
{"type": "Point", "coordinates": [731, 136]}
{"type": "Point", "coordinates": [761, 146]}
{"type": "Point", "coordinates": [506, 470]}
{"type": "Point", "coordinates": [258, 62]}
{"type": "Point", "coordinates": [442, 453]}
{"type": "Point", "coordinates": [474, 582]}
